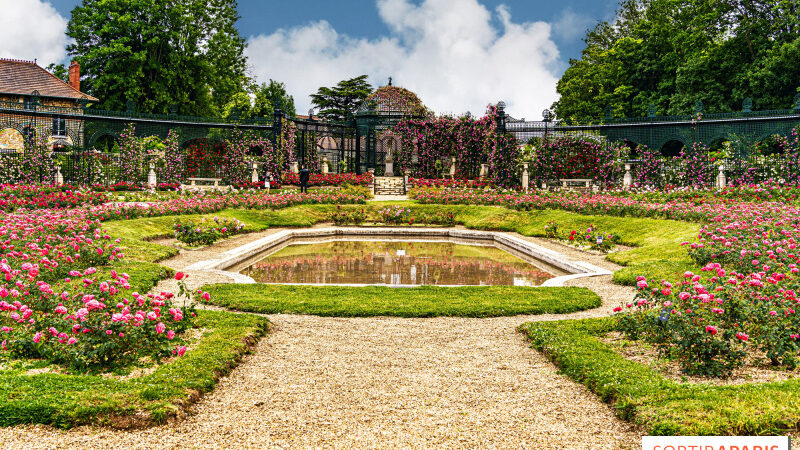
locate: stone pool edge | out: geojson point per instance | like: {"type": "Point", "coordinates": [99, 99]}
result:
{"type": "Point", "coordinates": [230, 258]}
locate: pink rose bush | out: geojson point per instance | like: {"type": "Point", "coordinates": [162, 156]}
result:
{"type": "Point", "coordinates": [749, 249]}
{"type": "Point", "coordinates": [54, 305]}
{"type": "Point", "coordinates": [329, 179]}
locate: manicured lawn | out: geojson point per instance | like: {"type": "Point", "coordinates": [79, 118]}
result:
{"type": "Point", "coordinates": [136, 233]}
{"type": "Point", "coordinates": [657, 252]}
{"type": "Point", "coordinates": [64, 400]}
{"type": "Point", "coordinates": [425, 301]}
{"type": "Point", "coordinates": [664, 407]}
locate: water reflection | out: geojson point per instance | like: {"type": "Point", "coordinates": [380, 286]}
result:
{"type": "Point", "coordinates": [393, 263]}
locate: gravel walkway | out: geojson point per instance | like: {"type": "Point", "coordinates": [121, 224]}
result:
{"type": "Point", "coordinates": [382, 382]}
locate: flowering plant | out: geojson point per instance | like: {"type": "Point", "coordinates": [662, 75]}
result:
{"type": "Point", "coordinates": [206, 232]}
{"type": "Point", "coordinates": [54, 304]}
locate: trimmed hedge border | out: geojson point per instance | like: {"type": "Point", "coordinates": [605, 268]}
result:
{"type": "Point", "coordinates": [663, 406]}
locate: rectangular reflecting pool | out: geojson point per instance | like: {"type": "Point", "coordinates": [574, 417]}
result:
{"type": "Point", "coordinates": [396, 263]}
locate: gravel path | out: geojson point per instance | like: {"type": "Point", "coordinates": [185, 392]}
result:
{"type": "Point", "coordinates": [382, 382]}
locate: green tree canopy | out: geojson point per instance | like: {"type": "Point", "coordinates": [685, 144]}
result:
{"type": "Point", "coordinates": [159, 54]}
{"type": "Point", "coordinates": [260, 102]}
{"type": "Point", "coordinates": [273, 95]}
{"type": "Point", "coordinates": [335, 103]}
{"type": "Point", "coordinates": [672, 53]}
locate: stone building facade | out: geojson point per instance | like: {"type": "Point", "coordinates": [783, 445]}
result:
{"type": "Point", "coordinates": [35, 103]}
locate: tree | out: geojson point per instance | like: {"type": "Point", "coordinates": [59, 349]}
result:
{"type": "Point", "coordinates": [672, 53]}
{"type": "Point", "coordinates": [336, 103]}
{"type": "Point", "coordinates": [59, 71]}
{"type": "Point", "coordinates": [271, 96]}
{"type": "Point", "coordinates": [239, 107]}
{"type": "Point", "coordinates": [160, 54]}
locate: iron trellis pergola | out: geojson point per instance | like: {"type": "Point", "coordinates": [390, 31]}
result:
{"type": "Point", "coordinates": [743, 128]}
{"type": "Point", "coordinates": [360, 142]}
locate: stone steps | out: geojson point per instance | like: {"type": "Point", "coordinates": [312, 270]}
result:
{"type": "Point", "coordinates": [389, 186]}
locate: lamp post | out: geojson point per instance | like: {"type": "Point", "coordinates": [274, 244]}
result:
{"type": "Point", "coordinates": [501, 116]}
{"type": "Point", "coordinates": [546, 117]}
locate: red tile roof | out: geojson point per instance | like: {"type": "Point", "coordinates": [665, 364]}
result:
{"type": "Point", "coordinates": [24, 77]}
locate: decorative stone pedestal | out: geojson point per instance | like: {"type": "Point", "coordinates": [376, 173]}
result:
{"type": "Point", "coordinates": [254, 175]}
{"type": "Point", "coordinates": [389, 170]}
{"type": "Point", "coordinates": [722, 180]}
{"type": "Point", "coordinates": [627, 180]}
{"type": "Point", "coordinates": [151, 176]}
{"type": "Point", "coordinates": [59, 179]}
{"type": "Point", "coordinates": [525, 178]}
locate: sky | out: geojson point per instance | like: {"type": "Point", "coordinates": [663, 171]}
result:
{"type": "Point", "coordinates": [457, 55]}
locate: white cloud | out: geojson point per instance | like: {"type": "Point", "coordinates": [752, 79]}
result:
{"type": "Point", "coordinates": [32, 29]}
{"type": "Point", "coordinates": [447, 51]}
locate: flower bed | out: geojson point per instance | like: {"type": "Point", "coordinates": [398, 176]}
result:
{"type": "Point", "coordinates": [450, 183]}
{"type": "Point", "coordinates": [52, 305]}
{"type": "Point", "coordinates": [13, 197]}
{"type": "Point", "coordinates": [641, 394]}
{"type": "Point", "coordinates": [212, 204]}
{"type": "Point", "coordinates": [328, 179]}
{"type": "Point", "coordinates": [391, 215]}
{"type": "Point", "coordinates": [128, 401]}
{"type": "Point", "coordinates": [206, 233]}
{"type": "Point", "coordinates": [750, 251]}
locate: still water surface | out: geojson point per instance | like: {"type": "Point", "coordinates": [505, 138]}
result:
{"type": "Point", "coordinates": [395, 263]}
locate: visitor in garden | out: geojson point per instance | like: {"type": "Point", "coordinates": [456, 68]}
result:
{"type": "Point", "coordinates": [304, 177]}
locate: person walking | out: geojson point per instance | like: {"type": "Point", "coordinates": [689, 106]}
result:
{"type": "Point", "coordinates": [305, 175]}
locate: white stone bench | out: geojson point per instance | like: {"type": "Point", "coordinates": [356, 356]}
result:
{"type": "Point", "coordinates": [203, 183]}
{"type": "Point", "coordinates": [582, 182]}
{"type": "Point", "coordinates": [215, 181]}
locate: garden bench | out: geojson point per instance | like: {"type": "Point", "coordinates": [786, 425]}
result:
{"type": "Point", "coordinates": [193, 181]}
{"type": "Point", "coordinates": [580, 182]}
{"type": "Point", "coordinates": [203, 183]}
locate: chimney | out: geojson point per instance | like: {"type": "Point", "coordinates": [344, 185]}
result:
{"type": "Point", "coordinates": [75, 75]}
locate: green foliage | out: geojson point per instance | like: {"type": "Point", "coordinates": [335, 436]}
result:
{"type": "Point", "coordinates": [592, 237]}
{"type": "Point", "coordinates": [336, 103]}
{"type": "Point", "coordinates": [59, 71]}
{"type": "Point", "coordinates": [270, 96]}
{"type": "Point", "coordinates": [206, 232]}
{"type": "Point", "coordinates": [159, 54]}
{"type": "Point", "coordinates": [348, 216]}
{"type": "Point", "coordinates": [423, 301]}
{"type": "Point", "coordinates": [65, 401]}
{"type": "Point", "coordinates": [671, 53]}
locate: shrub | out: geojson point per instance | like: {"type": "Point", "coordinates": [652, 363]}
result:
{"type": "Point", "coordinates": [206, 233]}
{"type": "Point", "coordinates": [53, 306]}
{"type": "Point", "coordinates": [348, 216]}
{"type": "Point", "coordinates": [394, 215]}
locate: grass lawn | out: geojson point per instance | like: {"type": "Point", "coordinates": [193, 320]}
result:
{"type": "Point", "coordinates": [657, 252]}
{"type": "Point", "coordinates": [65, 400]}
{"type": "Point", "coordinates": [424, 301]}
{"type": "Point", "coordinates": [663, 406]}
